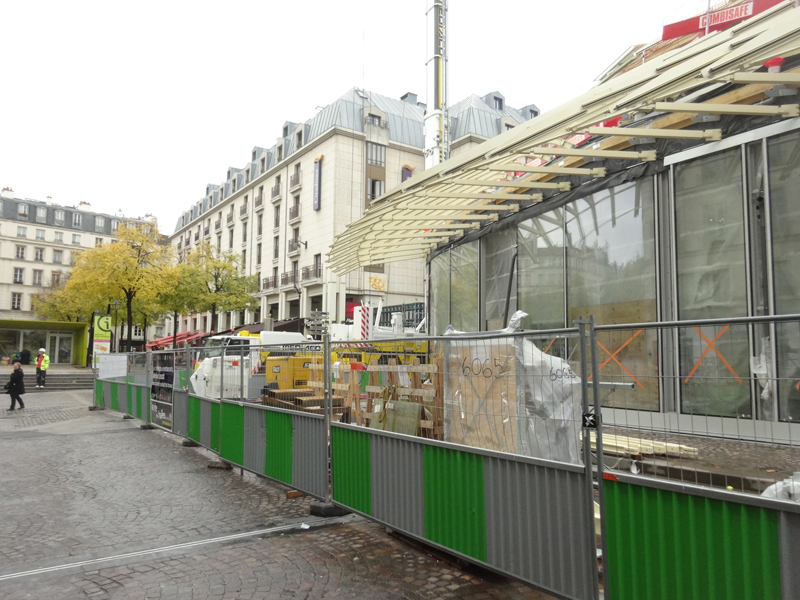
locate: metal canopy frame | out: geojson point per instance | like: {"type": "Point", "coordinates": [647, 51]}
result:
{"type": "Point", "coordinates": [469, 191]}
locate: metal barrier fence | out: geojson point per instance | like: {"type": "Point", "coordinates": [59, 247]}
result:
{"type": "Point", "coordinates": [474, 443]}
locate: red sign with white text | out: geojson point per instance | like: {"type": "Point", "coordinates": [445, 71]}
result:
{"type": "Point", "coordinates": [719, 19]}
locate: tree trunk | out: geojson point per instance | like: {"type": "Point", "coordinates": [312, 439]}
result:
{"type": "Point", "coordinates": [129, 299]}
{"type": "Point", "coordinates": [90, 344]}
{"type": "Point", "coordinates": [214, 317]}
{"type": "Point", "coordinates": [144, 335]}
{"type": "Point", "coordinates": [174, 329]}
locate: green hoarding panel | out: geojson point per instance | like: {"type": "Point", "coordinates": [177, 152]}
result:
{"type": "Point", "coordinates": [182, 379]}
{"type": "Point", "coordinates": [114, 395]}
{"type": "Point", "coordinates": [232, 439]}
{"type": "Point", "coordinates": [664, 545]}
{"type": "Point", "coordinates": [194, 419]}
{"type": "Point", "coordinates": [352, 476]}
{"type": "Point", "coordinates": [215, 427]}
{"type": "Point", "coordinates": [98, 393]}
{"type": "Point", "coordinates": [455, 501]}
{"type": "Point", "coordinates": [280, 440]}
{"type": "Point", "coordinates": [130, 398]}
{"type": "Point", "coordinates": [138, 403]}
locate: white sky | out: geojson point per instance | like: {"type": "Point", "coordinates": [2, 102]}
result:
{"type": "Point", "coordinates": [137, 106]}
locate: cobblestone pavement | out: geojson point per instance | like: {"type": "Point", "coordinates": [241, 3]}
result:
{"type": "Point", "coordinates": [79, 486]}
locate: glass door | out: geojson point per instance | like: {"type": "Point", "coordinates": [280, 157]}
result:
{"type": "Point", "coordinates": [64, 355]}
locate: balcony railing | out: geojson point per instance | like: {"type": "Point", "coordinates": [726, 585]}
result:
{"type": "Point", "coordinates": [276, 192]}
{"type": "Point", "coordinates": [218, 224]}
{"type": "Point", "coordinates": [312, 272]}
{"type": "Point", "coordinates": [259, 201]}
{"type": "Point", "coordinates": [288, 278]}
{"type": "Point", "coordinates": [196, 236]}
{"type": "Point", "coordinates": [294, 212]}
{"type": "Point", "coordinates": [206, 231]}
{"type": "Point", "coordinates": [230, 218]}
{"type": "Point", "coordinates": [295, 180]}
{"type": "Point", "coordinates": [243, 211]}
{"type": "Point", "coordinates": [377, 122]}
{"type": "Point", "coordinates": [269, 283]}
{"type": "Point", "coordinates": [294, 247]}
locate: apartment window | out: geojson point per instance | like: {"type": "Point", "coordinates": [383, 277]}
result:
{"type": "Point", "coordinates": [280, 153]}
{"type": "Point", "coordinates": [244, 233]}
{"type": "Point", "coordinates": [22, 232]}
{"type": "Point", "coordinates": [160, 331]}
{"type": "Point", "coordinates": [376, 154]}
{"type": "Point", "coordinates": [59, 217]}
{"type": "Point", "coordinates": [57, 256]}
{"type": "Point", "coordinates": [296, 233]}
{"type": "Point", "coordinates": [76, 219]}
{"type": "Point", "coordinates": [295, 268]}
{"type": "Point", "coordinates": [40, 234]}
{"type": "Point", "coordinates": [20, 254]}
{"type": "Point", "coordinates": [275, 275]}
{"type": "Point", "coordinates": [317, 262]}
{"type": "Point", "coordinates": [259, 225]}
{"type": "Point", "coordinates": [16, 301]}
{"type": "Point", "coordinates": [99, 223]}
{"type": "Point", "coordinates": [247, 175]}
{"type": "Point", "coordinates": [277, 216]}
{"type": "Point", "coordinates": [299, 139]}
{"type": "Point", "coordinates": [233, 185]}
{"type": "Point", "coordinates": [38, 254]}
{"type": "Point", "coordinates": [41, 214]}
{"type": "Point", "coordinates": [37, 277]}
{"type": "Point", "coordinates": [244, 259]}
{"type": "Point", "coordinates": [276, 245]}
{"type": "Point", "coordinates": [230, 239]}
{"type": "Point", "coordinates": [137, 331]}
{"type": "Point", "coordinates": [55, 279]}
{"type": "Point", "coordinates": [285, 131]}
{"type": "Point", "coordinates": [375, 189]}
{"type": "Point", "coordinates": [72, 257]}
{"type": "Point", "coordinates": [258, 254]}
{"type": "Point", "coordinates": [18, 274]}
{"type": "Point", "coordinates": [76, 239]}
{"type": "Point", "coordinates": [114, 225]}
{"type": "Point", "coordinates": [219, 242]}
{"type": "Point", "coordinates": [373, 119]}
{"type": "Point", "coordinates": [498, 103]}
{"type": "Point", "coordinates": [59, 237]}
{"type": "Point", "coordinates": [22, 211]}
{"type": "Point", "coordinates": [98, 242]}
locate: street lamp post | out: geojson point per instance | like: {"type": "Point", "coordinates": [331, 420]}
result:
{"type": "Point", "coordinates": [115, 305]}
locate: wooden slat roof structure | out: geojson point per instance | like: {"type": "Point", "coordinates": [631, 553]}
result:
{"type": "Point", "coordinates": [512, 170]}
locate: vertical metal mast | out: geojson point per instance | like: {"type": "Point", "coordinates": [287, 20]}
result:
{"type": "Point", "coordinates": [437, 126]}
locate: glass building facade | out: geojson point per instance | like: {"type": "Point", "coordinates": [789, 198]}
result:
{"type": "Point", "coordinates": [710, 233]}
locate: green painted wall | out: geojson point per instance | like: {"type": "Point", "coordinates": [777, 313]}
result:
{"type": "Point", "coordinates": [215, 427]}
{"type": "Point", "coordinates": [98, 393]}
{"type": "Point", "coordinates": [278, 453]}
{"type": "Point", "coordinates": [114, 396]}
{"type": "Point", "coordinates": [352, 475]}
{"type": "Point", "coordinates": [232, 439]}
{"type": "Point", "coordinates": [129, 389]}
{"type": "Point", "coordinates": [664, 545]}
{"type": "Point", "coordinates": [139, 402]}
{"type": "Point", "coordinates": [455, 502]}
{"type": "Point", "coordinates": [194, 419]}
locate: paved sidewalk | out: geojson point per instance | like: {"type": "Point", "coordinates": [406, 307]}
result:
{"type": "Point", "coordinates": [82, 486]}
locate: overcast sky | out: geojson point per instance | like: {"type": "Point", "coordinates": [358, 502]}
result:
{"type": "Point", "coordinates": [137, 106]}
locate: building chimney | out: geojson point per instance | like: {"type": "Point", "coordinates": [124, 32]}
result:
{"type": "Point", "coordinates": [409, 97]}
{"type": "Point", "coordinates": [49, 200]}
{"type": "Point", "coordinates": [7, 192]}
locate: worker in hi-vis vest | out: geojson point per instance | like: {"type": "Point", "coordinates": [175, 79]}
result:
{"type": "Point", "coordinates": [42, 362]}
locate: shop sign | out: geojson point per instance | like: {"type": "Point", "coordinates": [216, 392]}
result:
{"type": "Point", "coordinates": [717, 20]}
{"type": "Point", "coordinates": [318, 183]}
{"type": "Point", "coordinates": [101, 341]}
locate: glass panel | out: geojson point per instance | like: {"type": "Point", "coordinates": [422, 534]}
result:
{"type": "Point", "coordinates": [714, 361]}
{"type": "Point", "coordinates": [541, 270]}
{"type": "Point", "coordinates": [497, 254]}
{"type": "Point", "coordinates": [440, 293]}
{"type": "Point", "coordinates": [9, 344]}
{"type": "Point", "coordinates": [611, 273]}
{"type": "Point", "coordinates": [64, 349]}
{"type": "Point", "coordinates": [784, 181]}
{"type": "Point", "coordinates": [464, 287]}
{"type": "Point", "coordinates": [32, 341]}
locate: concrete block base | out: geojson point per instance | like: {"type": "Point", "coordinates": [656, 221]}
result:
{"type": "Point", "coordinates": [327, 509]}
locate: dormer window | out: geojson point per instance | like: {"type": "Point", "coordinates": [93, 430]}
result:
{"type": "Point", "coordinates": [280, 153]}
{"type": "Point", "coordinates": [299, 139]}
{"type": "Point", "coordinates": [509, 127]}
{"type": "Point", "coordinates": [247, 176]}
{"type": "Point", "coordinates": [534, 114]}
{"type": "Point", "coordinates": [254, 156]}
{"type": "Point", "coordinates": [263, 164]}
{"type": "Point", "coordinates": [498, 103]}
{"type": "Point", "coordinates": [233, 185]}
{"type": "Point", "coordinates": [114, 225]}
{"type": "Point", "coordinates": [285, 131]}
{"type": "Point", "coordinates": [22, 211]}
{"type": "Point", "coordinates": [373, 119]}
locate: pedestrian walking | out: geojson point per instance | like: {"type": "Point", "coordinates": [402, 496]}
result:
{"type": "Point", "coordinates": [42, 363]}
{"type": "Point", "coordinates": [16, 386]}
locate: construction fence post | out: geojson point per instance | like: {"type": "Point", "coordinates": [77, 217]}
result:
{"type": "Point", "coordinates": [328, 404]}
{"type": "Point", "coordinates": [598, 414]}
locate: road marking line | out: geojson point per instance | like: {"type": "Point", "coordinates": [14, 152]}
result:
{"type": "Point", "coordinates": [226, 538]}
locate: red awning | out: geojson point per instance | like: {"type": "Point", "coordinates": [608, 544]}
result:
{"type": "Point", "coordinates": [194, 337]}
{"type": "Point", "coordinates": [167, 341]}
